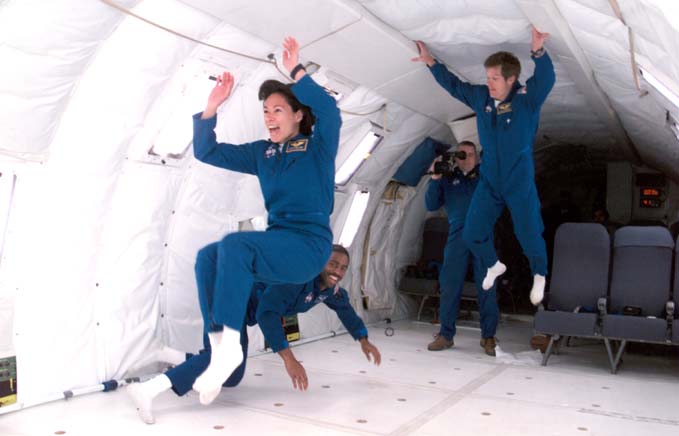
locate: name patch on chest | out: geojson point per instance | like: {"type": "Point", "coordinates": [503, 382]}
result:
{"type": "Point", "coordinates": [298, 145]}
{"type": "Point", "coordinates": [504, 108]}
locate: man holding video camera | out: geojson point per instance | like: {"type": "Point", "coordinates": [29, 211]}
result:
{"type": "Point", "coordinates": [454, 179]}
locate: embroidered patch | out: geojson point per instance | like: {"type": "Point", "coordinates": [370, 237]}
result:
{"type": "Point", "coordinates": [309, 297]}
{"type": "Point", "coordinates": [321, 298]}
{"type": "Point", "coordinates": [298, 145]}
{"type": "Point", "coordinates": [504, 108]}
{"type": "Point", "coordinates": [488, 109]}
{"type": "Point", "coordinates": [270, 151]}
{"type": "Point", "coordinates": [456, 182]}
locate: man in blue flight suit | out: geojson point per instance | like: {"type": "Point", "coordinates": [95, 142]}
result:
{"type": "Point", "coordinates": [454, 190]}
{"type": "Point", "coordinates": [507, 117]}
{"type": "Point", "coordinates": [296, 172]}
{"type": "Point", "coordinates": [266, 307]}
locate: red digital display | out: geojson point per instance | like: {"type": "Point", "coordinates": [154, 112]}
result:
{"type": "Point", "coordinates": [650, 192]}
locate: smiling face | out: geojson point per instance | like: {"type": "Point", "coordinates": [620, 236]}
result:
{"type": "Point", "coordinates": [498, 87]}
{"type": "Point", "coordinates": [279, 118]}
{"type": "Point", "coordinates": [335, 269]}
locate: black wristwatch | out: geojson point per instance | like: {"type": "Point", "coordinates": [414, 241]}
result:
{"type": "Point", "coordinates": [295, 70]}
{"type": "Point", "coordinates": [537, 53]}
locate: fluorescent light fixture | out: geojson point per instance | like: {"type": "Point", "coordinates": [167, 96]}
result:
{"type": "Point", "coordinates": [175, 136]}
{"type": "Point", "coordinates": [656, 83]}
{"type": "Point", "coordinates": [358, 206]}
{"type": "Point", "coordinates": [669, 9]}
{"type": "Point", "coordinates": [311, 67]}
{"type": "Point", "coordinates": [361, 153]}
{"type": "Point", "coordinates": [7, 186]}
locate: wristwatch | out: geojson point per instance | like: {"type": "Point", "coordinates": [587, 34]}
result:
{"type": "Point", "coordinates": [295, 70]}
{"type": "Point", "coordinates": [537, 53]}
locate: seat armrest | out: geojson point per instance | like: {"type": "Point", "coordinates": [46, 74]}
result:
{"type": "Point", "coordinates": [669, 309]}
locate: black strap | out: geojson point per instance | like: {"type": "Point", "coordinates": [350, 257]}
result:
{"type": "Point", "coordinates": [295, 70]}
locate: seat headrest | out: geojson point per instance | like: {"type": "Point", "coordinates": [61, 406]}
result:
{"type": "Point", "coordinates": [637, 236]}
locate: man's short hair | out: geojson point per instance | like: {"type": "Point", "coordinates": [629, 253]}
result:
{"type": "Point", "coordinates": [336, 248]}
{"type": "Point", "coordinates": [468, 144]}
{"type": "Point", "coordinates": [508, 63]}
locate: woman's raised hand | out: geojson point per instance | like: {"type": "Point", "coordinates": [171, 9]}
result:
{"type": "Point", "coordinates": [291, 56]}
{"type": "Point", "coordinates": [219, 94]}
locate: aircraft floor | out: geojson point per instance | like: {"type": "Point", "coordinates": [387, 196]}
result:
{"type": "Point", "coordinates": [414, 392]}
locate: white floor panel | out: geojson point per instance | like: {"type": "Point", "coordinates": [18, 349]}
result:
{"type": "Point", "coordinates": [485, 416]}
{"type": "Point", "coordinates": [414, 391]}
{"type": "Point", "coordinates": [448, 369]}
{"type": "Point", "coordinates": [354, 402]}
{"type": "Point", "coordinates": [610, 393]}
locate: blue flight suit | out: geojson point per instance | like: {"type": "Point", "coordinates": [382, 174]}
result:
{"type": "Point", "coordinates": [507, 171]}
{"type": "Point", "coordinates": [266, 307]}
{"type": "Point", "coordinates": [455, 193]}
{"type": "Point", "coordinates": [297, 181]}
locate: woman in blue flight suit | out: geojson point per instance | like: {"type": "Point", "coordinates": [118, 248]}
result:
{"type": "Point", "coordinates": [296, 170]}
{"type": "Point", "coordinates": [454, 192]}
{"type": "Point", "coordinates": [507, 116]}
{"type": "Point", "coordinates": [266, 306]}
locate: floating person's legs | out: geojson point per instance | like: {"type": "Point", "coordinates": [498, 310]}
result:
{"type": "Point", "coordinates": [226, 271]}
{"type": "Point", "coordinates": [478, 233]}
{"type": "Point", "coordinates": [181, 378]}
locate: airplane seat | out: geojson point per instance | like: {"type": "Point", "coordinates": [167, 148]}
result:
{"type": "Point", "coordinates": [421, 279]}
{"type": "Point", "coordinates": [640, 288]}
{"type": "Point", "coordinates": [672, 313]}
{"type": "Point", "coordinates": [580, 277]}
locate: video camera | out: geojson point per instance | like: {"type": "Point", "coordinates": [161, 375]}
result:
{"type": "Point", "coordinates": [447, 164]}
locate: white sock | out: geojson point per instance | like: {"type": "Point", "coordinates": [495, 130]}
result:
{"type": "Point", "coordinates": [208, 396]}
{"type": "Point", "coordinates": [227, 354]}
{"type": "Point", "coordinates": [537, 293]}
{"type": "Point", "coordinates": [143, 394]}
{"type": "Point", "coordinates": [493, 273]}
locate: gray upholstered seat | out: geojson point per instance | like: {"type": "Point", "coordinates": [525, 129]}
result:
{"type": "Point", "coordinates": [579, 279]}
{"type": "Point", "coordinates": [642, 268]}
{"type": "Point", "coordinates": [675, 321]}
{"type": "Point", "coordinates": [434, 238]}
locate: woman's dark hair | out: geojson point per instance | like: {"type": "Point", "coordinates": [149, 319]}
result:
{"type": "Point", "coordinates": [275, 87]}
{"type": "Point", "coordinates": [336, 248]}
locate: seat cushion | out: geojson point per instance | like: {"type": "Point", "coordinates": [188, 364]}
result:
{"type": "Point", "coordinates": [635, 328]}
{"type": "Point", "coordinates": [565, 323]}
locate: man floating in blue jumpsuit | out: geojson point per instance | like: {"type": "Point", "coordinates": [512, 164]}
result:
{"type": "Point", "coordinates": [266, 307]}
{"type": "Point", "coordinates": [507, 117]}
{"type": "Point", "coordinates": [296, 171]}
{"type": "Point", "coordinates": [454, 190]}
